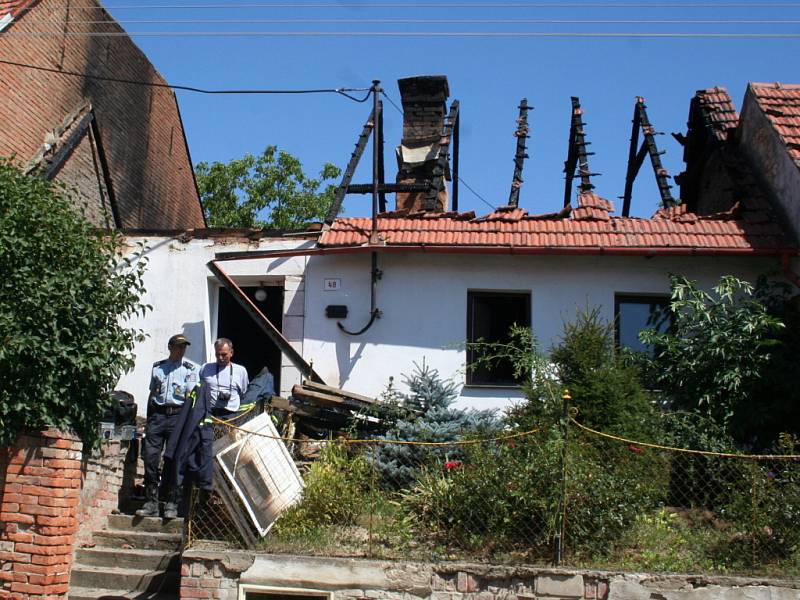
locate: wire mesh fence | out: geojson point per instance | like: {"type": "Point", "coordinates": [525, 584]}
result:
{"type": "Point", "coordinates": [562, 493]}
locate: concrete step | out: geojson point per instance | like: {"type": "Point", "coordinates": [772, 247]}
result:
{"type": "Point", "coordinates": [125, 579]}
{"type": "Point", "coordinates": [151, 560]}
{"type": "Point", "coordinates": [79, 593]}
{"type": "Point", "coordinates": [152, 524]}
{"type": "Point", "coordinates": [137, 540]}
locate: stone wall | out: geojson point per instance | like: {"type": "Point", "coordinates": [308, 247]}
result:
{"type": "Point", "coordinates": [218, 575]}
{"type": "Point", "coordinates": [40, 479]}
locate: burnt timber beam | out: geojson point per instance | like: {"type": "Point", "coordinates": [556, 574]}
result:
{"type": "Point", "coordinates": [519, 157]}
{"type": "Point", "coordinates": [263, 322]}
{"type": "Point", "coordinates": [577, 155]}
{"type": "Point", "coordinates": [634, 164]}
{"type": "Point", "coordinates": [388, 188]}
{"type": "Point", "coordinates": [440, 169]}
{"type": "Point", "coordinates": [355, 157]}
{"type": "Point", "coordinates": [381, 167]}
{"type": "Point", "coordinates": [456, 142]}
{"type": "Point", "coordinates": [662, 177]}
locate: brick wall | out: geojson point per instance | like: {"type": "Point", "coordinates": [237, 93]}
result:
{"type": "Point", "coordinates": [40, 478]}
{"type": "Point", "coordinates": [109, 476]}
{"type": "Point", "coordinates": [140, 127]}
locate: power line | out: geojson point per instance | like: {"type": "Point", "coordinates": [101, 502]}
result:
{"type": "Point", "coordinates": [443, 34]}
{"type": "Point", "coordinates": [481, 198]}
{"type": "Point", "coordinates": [425, 21]}
{"type": "Point", "coordinates": [392, 102]}
{"type": "Point", "coordinates": [340, 91]}
{"type": "Point", "coordinates": [430, 5]}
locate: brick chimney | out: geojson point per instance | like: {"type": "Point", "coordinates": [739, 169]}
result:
{"type": "Point", "coordinates": [424, 109]}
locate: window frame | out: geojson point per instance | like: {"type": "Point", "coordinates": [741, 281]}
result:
{"type": "Point", "coordinates": [469, 380]}
{"type": "Point", "coordinates": [635, 298]}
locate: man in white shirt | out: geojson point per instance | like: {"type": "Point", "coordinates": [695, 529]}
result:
{"type": "Point", "coordinates": [223, 382]}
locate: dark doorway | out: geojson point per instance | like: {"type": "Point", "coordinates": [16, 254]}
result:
{"type": "Point", "coordinates": [252, 348]}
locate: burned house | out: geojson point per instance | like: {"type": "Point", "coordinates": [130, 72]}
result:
{"type": "Point", "coordinates": [364, 298]}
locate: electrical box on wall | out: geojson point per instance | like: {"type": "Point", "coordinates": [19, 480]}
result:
{"type": "Point", "coordinates": [336, 311]}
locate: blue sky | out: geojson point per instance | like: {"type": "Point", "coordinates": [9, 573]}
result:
{"type": "Point", "coordinates": [488, 75]}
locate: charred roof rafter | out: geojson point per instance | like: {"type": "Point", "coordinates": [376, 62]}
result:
{"type": "Point", "coordinates": [521, 154]}
{"type": "Point", "coordinates": [577, 156]}
{"type": "Point", "coordinates": [443, 158]}
{"type": "Point", "coordinates": [636, 158]}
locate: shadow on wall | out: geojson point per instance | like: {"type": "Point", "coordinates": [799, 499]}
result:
{"type": "Point", "coordinates": [344, 360]}
{"type": "Point", "coordinates": [195, 332]}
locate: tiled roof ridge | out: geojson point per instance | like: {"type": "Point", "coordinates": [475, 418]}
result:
{"type": "Point", "coordinates": [718, 111]}
{"type": "Point", "coordinates": [780, 103]}
{"type": "Point", "coordinates": [777, 85]}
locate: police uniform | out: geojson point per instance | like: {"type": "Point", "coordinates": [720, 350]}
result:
{"type": "Point", "coordinates": [170, 384]}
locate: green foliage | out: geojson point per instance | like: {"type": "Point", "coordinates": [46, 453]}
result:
{"type": "Point", "coordinates": [714, 355]}
{"type": "Point", "coordinates": [425, 414]}
{"type": "Point", "coordinates": [335, 494]}
{"type": "Point", "coordinates": [64, 297]}
{"type": "Point", "coordinates": [269, 190]}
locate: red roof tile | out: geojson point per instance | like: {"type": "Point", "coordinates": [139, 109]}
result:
{"type": "Point", "coordinates": [718, 111]}
{"type": "Point", "coordinates": [676, 230]}
{"type": "Point", "coordinates": [781, 104]}
{"type": "Point", "coordinates": [15, 7]}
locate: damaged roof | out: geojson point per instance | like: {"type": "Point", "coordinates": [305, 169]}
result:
{"type": "Point", "coordinates": [781, 104]}
{"type": "Point", "coordinates": [588, 227]}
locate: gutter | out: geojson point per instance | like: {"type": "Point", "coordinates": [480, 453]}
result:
{"type": "Point", "coordinates": [511, 250]}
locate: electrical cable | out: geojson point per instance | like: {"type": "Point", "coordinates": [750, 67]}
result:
{"type": "Point", "coordinates": [443, 34]}
{"type": "Point", "coordinates": [444, 5]}
{"type": "Point", "coordinates": [422, 21]}
{"type": "Point", "coordinates": [481, 198]}
{"type": "Point", "coordinates": [392, 102]}
{"type": "Point", "coordinates": [340, 91]}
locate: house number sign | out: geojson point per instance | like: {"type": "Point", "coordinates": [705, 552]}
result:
{"type": "Point", "coordinates": [332, 285]}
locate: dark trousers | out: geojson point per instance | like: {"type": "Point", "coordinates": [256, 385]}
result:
{"type": "Point", "coordinates": [157, 431]}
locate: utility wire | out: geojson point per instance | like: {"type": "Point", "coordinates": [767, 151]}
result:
{"type": "Point", "coordinates": [416, 5]}
{"type": "Point", "coordinates": [443, 34]}
{"type": "Point", "coordinates": [425, 21]}
{"type": "Point", "coordinates": [481, 198]}
{"type": "Point", "coordinates": [392, 102]}
{"type": "Point", "coordinates": [340, 91]}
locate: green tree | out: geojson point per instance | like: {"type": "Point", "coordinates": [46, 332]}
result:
{"type": "Point", "coordinates": [65, 294]}
{"type": "Point", "coordinates": [716, 351]}
{"type": "Point", "coordinates": [269, 190]}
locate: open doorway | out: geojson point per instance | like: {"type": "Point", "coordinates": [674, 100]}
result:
{"type": "Point", "coordinates": [252, 348]}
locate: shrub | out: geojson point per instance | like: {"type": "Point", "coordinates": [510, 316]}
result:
{"type": "Point", "coordinates": [64, 297]}
{"type": "Point", "coordinates": [426, 415]}
{"type": "Point", "coordinates": [335, 493]}
{"type": "Point", "coordinates": [713, 356]}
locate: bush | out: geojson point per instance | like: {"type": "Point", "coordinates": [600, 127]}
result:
{"type": "Point", "coordinates": [64, 297]}
{"type": "Point", "coordinates": [335, 493]}
{"type": "Point", "coordinates": [425, 414]}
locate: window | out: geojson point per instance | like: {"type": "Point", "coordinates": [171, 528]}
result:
{"type": "Point", "coordinates": [634, 313]}
{"type": "Point", "coordinates": [490, 316]}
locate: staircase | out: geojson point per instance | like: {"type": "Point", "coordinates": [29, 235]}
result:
{"type": "Point", "coordinates": [133, 557]}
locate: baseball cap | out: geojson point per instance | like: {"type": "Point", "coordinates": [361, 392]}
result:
{"type": "Point", "coordinates": [178, 339]}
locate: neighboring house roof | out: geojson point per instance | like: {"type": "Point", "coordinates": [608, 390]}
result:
{"type": "Point", "coordinates": [588, 228]}
{"type": "Point", "coordinates": [718, 111]}
{"type": "Point", "coordinates": [781, 104]}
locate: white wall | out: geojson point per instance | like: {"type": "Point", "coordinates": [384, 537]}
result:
{"type": "Point", "coordinates": [424, 302]}
{"type": "Point", "coordinates": [423, 298]}
{"type": "Point", "coordinates": [183, 294]}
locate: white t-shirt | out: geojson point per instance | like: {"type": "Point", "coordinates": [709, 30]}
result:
{"type": "Point", "coordinates": [230, 381]}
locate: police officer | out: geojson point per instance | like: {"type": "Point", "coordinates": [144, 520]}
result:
{"type": "Point", "coordinates": [171, 382]}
